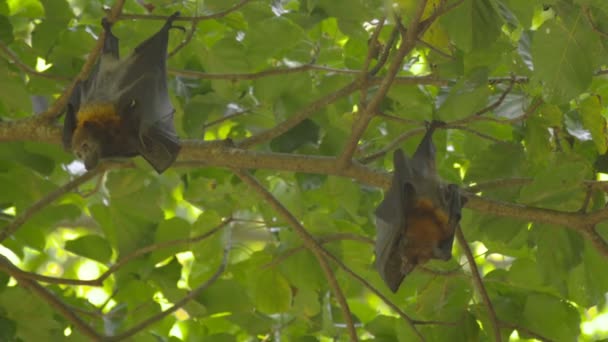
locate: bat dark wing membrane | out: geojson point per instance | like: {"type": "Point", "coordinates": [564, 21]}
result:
{"type": "Point", "coordinates": [454, 209]}
{"type": "Point", "coordinates": [144, 86]}
{"type": "Point", "coordinates": [424, 157]}
{"type": "Point", "coordinates": [159, 148]}
{"type": "Point", "coordinates": [70, 122]}
{"type": "Point", "coordinates": [390, 222]}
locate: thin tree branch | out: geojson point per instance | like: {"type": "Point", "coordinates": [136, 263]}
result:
{"type": "Point", "coordinates": [165, 244]}
{"type": "Point", "coordinates": [260, 74]}
{"type": "Point", "coordinates": [226, 118]}
{"type": "Point", "coordinates": [310, 243]}
{"type": "Point", "coordinates": [594, 26]}
{"type": "Point", "coordinates": [26, 68]}
{"type": "Point", "coordinates": [371, 47]}
{"type": "Point", "coordinates": [179, 304]}
{"type": "Point", "coordinates": [116, 266]}
{"type": "Point", "coordinates": [216, 15]}
{"type": "Point", "coordinates": [524, 330]}
{"type": "Point", "coordinates": [12, 227]}
{"type": "Point", "coordinates": [407, 44]}
{"type": "Point", "coordinates": [50, 298]}
{"type": "Point", "coordinates": [298, 117]}
{"type": "Point", "coordinates": [479, 284]}
{"type": "Point", "coordinates": [383, 58]}
{"type": "Point", "coordinates": [321, 240]}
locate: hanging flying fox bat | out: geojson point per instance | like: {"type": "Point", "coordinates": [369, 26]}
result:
{"type": "Point", "coordinates": [417, 219]}
{"type": "Point", "coordinates": [123, 109]}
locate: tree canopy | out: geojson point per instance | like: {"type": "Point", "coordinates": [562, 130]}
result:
{"type": "Point", "coordinates": [289, 111]}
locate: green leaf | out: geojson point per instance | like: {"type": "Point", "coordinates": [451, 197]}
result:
{"type": "Point", "coordinates": [558, 252]}
{"type": "Point", "coordinates": [591, 113]}
{"type": "Point", "coordinates": [285, 35]}
{"type": "Point", "coordinates": [6, 30]}
{"type": "Point", "coordinates": [8, 329]}
{"type": "Point", "coordinates": [91, 246]}
{"type": "Point", "coordinates": [464, 99]}
{"type": "Point", "coordinates": [542, 311]}
{"type": "Point", "coordinates": [275, 301]}
{"type": "Point", "coordinates": [305, 132]}
{"type": "Point", "coordinates": [557, 186]}
{"type": "Point", "coordinates": [563, 59]}
{"type": "Point", "coordinates": [473, 25]}
{"type": "Point", "coordinates": [34, 318]}
{"type": "Point", "coordinates": [225, 296]}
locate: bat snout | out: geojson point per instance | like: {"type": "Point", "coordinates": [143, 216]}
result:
{"type": "Point", "coordinates": [444, 250]}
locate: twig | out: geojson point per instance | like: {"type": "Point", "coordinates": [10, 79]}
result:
{"type": "Point", "coordinates": [383, 58]}
{"type": "Point", "coordinates": [260, 74]}
{"type": "Point", "coordinates": [225, 118]}
{"type": "Point", "coordinates": [179, 304]}
{"type": "Point", "coordinates": [592, 22]}
{"type": "Point", "coordinates": [500, 99]}
{"type": "Point", "coordinates": [392, 145]}
{"type": "Point", "coordinates": [217, 15]}
{"type": "Point", "coordinates": [310, 243]}
{"type": "Point", "coordinates": [435, 49]}
{"type": "Point", "coordinates": [370, 54]}
{"type": "Point", "coordinates": [46, 200]}
{"type": "Point", "coordinates": [95, 189]}
{"type": "Point", "coordinates": [477, 133]}
{"type": "Point", "coordinates": [479, 284]}
{"type": "Point", "coordinates": [524, 330]}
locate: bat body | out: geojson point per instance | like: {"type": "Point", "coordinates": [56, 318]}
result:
{"type": "Point", "coordinates": [123, 109]}
{"type": "Point", "coordinates": [417, 219]}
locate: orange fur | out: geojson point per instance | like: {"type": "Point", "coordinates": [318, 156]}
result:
{"type": "Point", "coordinates": [101, 114]}
{"type": "Point", "coordinates": [426, 227]}
{"type": "Point", "coordinates": [100, 117]}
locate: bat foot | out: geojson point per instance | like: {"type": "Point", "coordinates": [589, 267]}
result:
{"type": "Point", "coordinates": [171, 19]}
{"type": "Point", "coordinates": [106, 24]}
{"type": "Point", "coordinates": [434, 124]}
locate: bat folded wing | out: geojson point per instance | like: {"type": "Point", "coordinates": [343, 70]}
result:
{"type": "Point", "coordinates": [160, 145]}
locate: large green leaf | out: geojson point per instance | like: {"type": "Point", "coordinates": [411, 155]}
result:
{"type": "Point", "coordinates": [564, 58]}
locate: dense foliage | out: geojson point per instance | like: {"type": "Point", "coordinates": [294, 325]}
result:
{"type": "Point", "coordinates": [269, 235]}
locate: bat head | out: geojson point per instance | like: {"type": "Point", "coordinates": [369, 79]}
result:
{"type": "Point", "coordinates": [86, 145]}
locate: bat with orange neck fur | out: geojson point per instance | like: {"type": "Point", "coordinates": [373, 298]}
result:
{"type": "Point", "coordinates": [417, 219]}
{"type": "Point", "coordinates": [123, 109]}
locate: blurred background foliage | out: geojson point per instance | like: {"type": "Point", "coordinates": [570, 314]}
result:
{"type": "Point", "coordinates": [520, 83]}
